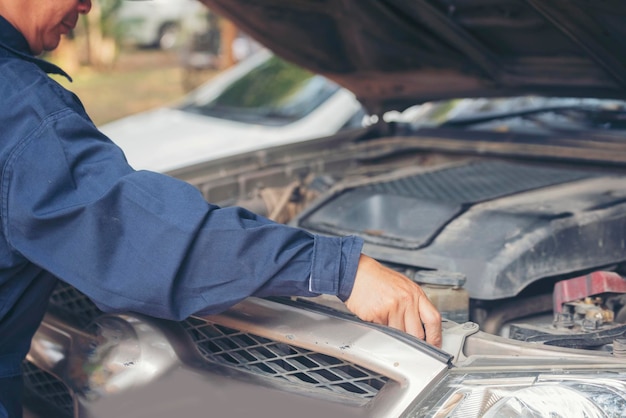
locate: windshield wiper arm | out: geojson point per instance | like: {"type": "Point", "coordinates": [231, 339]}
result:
{"type": "Point", "coordinates": [595, 116]}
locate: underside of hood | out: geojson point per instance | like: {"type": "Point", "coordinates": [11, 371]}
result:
{"type": "Point", "coordinates": [396, 53]}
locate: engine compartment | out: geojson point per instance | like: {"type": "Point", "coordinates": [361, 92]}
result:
{"type": "Point", "coordinates": [488, 238]}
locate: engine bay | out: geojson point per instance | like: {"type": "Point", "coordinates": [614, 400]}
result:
{"type": "Point", "coordinates": [489, 239]}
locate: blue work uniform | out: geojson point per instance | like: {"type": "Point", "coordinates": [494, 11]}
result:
{"type": "Point", "coordinates": [71, 208]}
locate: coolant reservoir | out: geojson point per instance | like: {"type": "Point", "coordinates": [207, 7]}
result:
{"type": "Point", "coordinates": [452, 302]}
{"type": "Point", "coordinates": [445, 290]}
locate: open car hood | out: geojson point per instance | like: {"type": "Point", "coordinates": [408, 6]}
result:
{"type": "Point", "coordinates": [396, 53]}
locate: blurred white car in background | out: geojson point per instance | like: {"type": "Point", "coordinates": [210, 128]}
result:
{"type": "Point", "coordinates": [158, 23]}
{"type": "Point", "coordinates": [262, 101]}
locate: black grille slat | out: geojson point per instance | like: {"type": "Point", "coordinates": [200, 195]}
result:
{"type": "Point", "coordinates": [282, 361]}
{"type": "Point", "coordinates": [48, 388]}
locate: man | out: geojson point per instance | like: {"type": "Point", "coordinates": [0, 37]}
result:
{"type": "Point", "coordinates": [71, 208]}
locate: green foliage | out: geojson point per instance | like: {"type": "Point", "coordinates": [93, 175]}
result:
{"type": "Point", "coordinates": [108, 14]}
{"type": "Point", "coordinates": [104, 15]}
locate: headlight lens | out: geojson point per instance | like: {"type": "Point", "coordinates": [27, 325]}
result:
{"type": "Point", "coordinates": [527, 395]}
{"type": "Point", "coordinates": [125, 352]}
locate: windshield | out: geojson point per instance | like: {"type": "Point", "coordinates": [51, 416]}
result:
{"type": "Point", "coordinates": [273, 93]}
{"type": "Point", "coordinates": [529, 114]}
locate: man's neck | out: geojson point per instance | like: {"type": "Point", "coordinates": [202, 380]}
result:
{"type": "Point", "coordinates": [12, 40]}
{"type": "Point", "coordinates": [10, 36]}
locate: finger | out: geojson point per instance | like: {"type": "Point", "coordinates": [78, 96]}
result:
{"type": "Point", "coordinates": [431, 319]}
{"type": "Point", "coordinates": [395, 318]}
{"type": "Point", "coordinates": [413, 324]}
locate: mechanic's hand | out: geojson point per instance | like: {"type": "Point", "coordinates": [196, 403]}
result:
{"type": "Point", "coordinates": [386, 297]}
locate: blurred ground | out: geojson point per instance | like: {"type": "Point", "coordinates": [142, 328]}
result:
{"type": "Point", "coordinates": [141, 79]}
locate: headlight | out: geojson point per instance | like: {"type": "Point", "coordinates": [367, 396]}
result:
{"type": "Point", "coordinates": [126, 352]}
{"type": "Point", "coordinates": [526, 395]}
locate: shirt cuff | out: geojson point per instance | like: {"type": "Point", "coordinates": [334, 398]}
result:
{"type": "Point", "coordinates": [335, 261]}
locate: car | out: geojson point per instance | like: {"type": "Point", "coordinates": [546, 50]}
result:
{"type": "Point", "coordinates": [260, 102]}
{"type": "Point", "coordinates": [157, 23]}
{"type": "Point", "coordinates": [492, 171]}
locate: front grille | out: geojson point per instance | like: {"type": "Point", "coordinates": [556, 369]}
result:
{"type": "Point", "coordinates": [249, 352]}
{"type": "Point", "coordinates": [274, 359]}
{"type": "Point", "coordinates": [48, 389]}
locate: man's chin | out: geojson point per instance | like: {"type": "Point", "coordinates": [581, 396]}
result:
{"type": "Point", "coordinates": [40, 49]}
{"type": "Point", "coordinates": [36, 51]}
{"type": "Point", "coordinates": [50, 46]}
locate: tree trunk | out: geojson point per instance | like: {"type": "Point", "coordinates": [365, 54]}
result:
{"type": "Point", "coordinates": [227, 36]}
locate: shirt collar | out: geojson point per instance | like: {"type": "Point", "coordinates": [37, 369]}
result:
{"type": "Point", "coordinates": [12, 40]}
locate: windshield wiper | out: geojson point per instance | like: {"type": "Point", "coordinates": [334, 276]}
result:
{"type": "Point", "coordinates": [591, 116]}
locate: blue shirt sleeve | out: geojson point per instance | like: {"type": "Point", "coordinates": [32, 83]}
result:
{"type": "Point", "coordinates": [145, 242]}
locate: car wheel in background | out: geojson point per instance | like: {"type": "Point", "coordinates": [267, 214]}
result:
{"type": "Point", "coordinates": [169, 35]}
